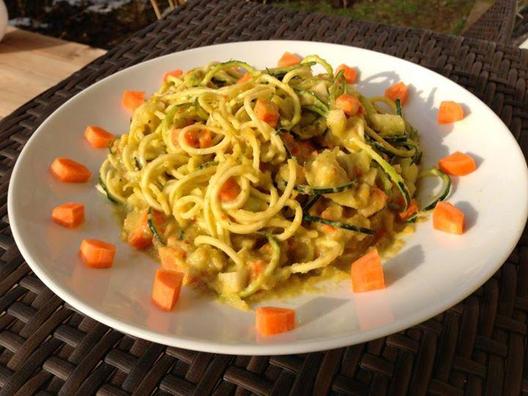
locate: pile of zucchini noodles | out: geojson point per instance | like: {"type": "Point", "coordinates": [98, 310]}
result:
{"type": "Point", "coordinates": [315, 191]}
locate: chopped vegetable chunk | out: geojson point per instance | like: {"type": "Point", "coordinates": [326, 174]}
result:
{"type": "Point", "coordinates": [174, 73]}
{"type": "Point", "coordinates": [367, 273]}
{"type": "Point", "coordinates": [267, 111]}
{"type": "Point", "coordinates": [457, 164]}
{"type": "Point", "coordinates": [97, 254]}
{"type": "Point", "coordinates": [448, 218]}
{"type": "Point", "coordinates": [398, 91]}
{"type": "Point", "coordinates": [98, 137]}
{"type": "Point", "coordinates": [229, 190]}
{"type": "Point", "coordinates": [69, 171]}
{"type": "Point", "coordinates": [289, 59]}
{"type": "Point", "coordinates": [349, 73]}
{"type": "Point", "coordinates": [131, 100]}
{"type": "Point", "coordinates": [274, 320]}
{"type": "Point", "coordinates": [69, 215]}
{"type": "Point", "coordinates": [348, 103]}
{"type": "Point", "coordinates": [166, 289]}
{"type": "Point", "coordinates": [450, 112]}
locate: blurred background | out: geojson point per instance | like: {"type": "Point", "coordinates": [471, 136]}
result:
{"type": "Point", "coordinates": [103, 23]}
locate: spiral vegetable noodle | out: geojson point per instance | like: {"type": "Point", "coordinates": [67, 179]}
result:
{"type": "Point", "coordinates": [245, 178]}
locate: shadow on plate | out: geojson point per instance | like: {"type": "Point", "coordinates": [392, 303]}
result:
{"type": "Point", "coordinates": [479, 160]}
{"type": "Point", "coordinates": [376, 84]}
{"type": "Point", "coordinates": [470, 214]}
{"type": "Point", "coordinates": [403, 263]}
{"type": "Point", "coordinates": [317, 308]}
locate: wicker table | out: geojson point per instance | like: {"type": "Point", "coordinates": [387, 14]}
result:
{"type": "Point", "coordinates": [475, 347]}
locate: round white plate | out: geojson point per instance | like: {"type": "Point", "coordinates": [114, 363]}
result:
{"type": "Point", "coordinates": [433, 271]}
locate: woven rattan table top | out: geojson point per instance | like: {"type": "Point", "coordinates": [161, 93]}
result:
{"type": "Point", "coordinates": [478, 346]}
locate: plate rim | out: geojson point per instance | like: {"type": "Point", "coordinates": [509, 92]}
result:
{"type": "Point", "coordinates": [285, 346]}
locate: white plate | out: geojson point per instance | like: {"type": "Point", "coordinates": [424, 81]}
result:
{"type": "Point", "coordinates": [434, 270]}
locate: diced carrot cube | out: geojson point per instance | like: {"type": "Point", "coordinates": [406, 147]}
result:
{"type": "Point", "coordinates": [289, 59]}
{"type": "Point", "coordinates": [267, 111]}
{"type": "Point", "coordinates": [69, 171]}
{"type": "Point", "coordinates": [367, 273]}
{"type": "Point", "coordinates": [69, 214]}
{"type": "Point", "coordinates": [398, 91]}
{"type": "Point", "coordinates": [349, 73]}
{"type": "Point", "coordinates": [348, 103]}
{"type": "Point", "coordinates": [131, 100]}
{"type": "Point", "coordinates": [140, 237]}
{"type": "Point", "coordinates": [449, 112]}
{"type": "Point", "coordinates": [274, 320]}
{"type": "Point", "coordinates": [448, 218]}
{"type": "Point", "coordinates": [166, 289]}
{"type": "Point", "coordinates": [411, 210]}
{"type": "Point", "coordinates": [97, 254]}
{"type": "Point", "coordinates": [98, 137]}
{"type": "Point", "coordinates": [173, 73]}
{"type": "Point", "coordinates": [229, 190]}
{"type": "Point", "coordinates": [457, 164]}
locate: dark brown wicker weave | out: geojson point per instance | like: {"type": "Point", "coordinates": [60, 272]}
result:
{"type": "Point", "coordinates": [476, 347]}
{"type": "Point", "coordinates": [496, 24]}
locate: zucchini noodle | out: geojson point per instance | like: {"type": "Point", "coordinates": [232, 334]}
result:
{"type": "Point", "coordinates": [248, 183]}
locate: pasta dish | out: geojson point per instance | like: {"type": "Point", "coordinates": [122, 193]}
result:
{"type": "Point", "coordinates": [243, 178]}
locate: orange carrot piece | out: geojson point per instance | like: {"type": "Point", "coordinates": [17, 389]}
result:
{"type": "Point", "coordinates": [169, 256]}
{"type": "Point", "coordinates": [328, 229]}
{"type": "Point", "coordinates": [166, 289]}
{"type": "Point", "coordinates": [245, 78]}
{"type": "Point", "coordinates": [97, 254]}
{"type": "Point", "coordinates": [398, 91]}
{"type": "Point", "coordinates": [229, 190]}
{"type": "Point", "coordinates": [274, 320]}
{"type": "Point", "coordinates": [457, 164]}
{"type": "Point", "coordinates": [448, 218]}
{"type": "Point", "coordinates": [205, 139]}
{"type": "Point", "coordinates": [194, 138]}
{"type": "Point", "coordinates": [289, 59]}
{"type": "Point", "coordinates": [98, 137]}
{"type": "Point", "coordinates": [70, 214]}
{"type": "Point", "coordinates": [449, 112]}
{"type": "Point", "coordinates": [140, 238]}
{"type": "Point", "coordinates": [191, 138]}
{"type": "Point", "coordinates": [302, 149]}
{"type": "Point", "coordinates": [411, 210]}
{"type": "Point", "coordinates": [131, 100]}
{"type": "Point", "coordinates": [349, 73]}
{"type": "Point", "coordinates": [348, 103]}
{"type": "Point", "coordinates": [199, 138]}
{"type": "Point", "coordinates": [256, 268]}
{"type": "Point", "coordinates": [173, 73]}
{"type": "Point", "coordinates": [267, 111]}
{"type": "Point", "coordinates": [367, 272]}
{"type": "Point", "coordinates": [159, 219]}
{"type": "Point", "coordinates": [69, 171]}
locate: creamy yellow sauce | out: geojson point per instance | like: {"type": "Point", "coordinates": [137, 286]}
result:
{"type": "Point", "coordinates": [261, 184]}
